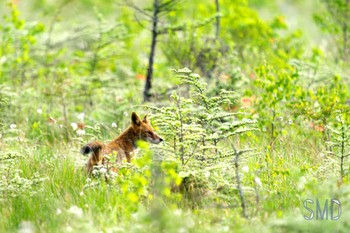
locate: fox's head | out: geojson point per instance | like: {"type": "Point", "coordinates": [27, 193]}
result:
{"type": "Point", "coordinates": [144, 129]}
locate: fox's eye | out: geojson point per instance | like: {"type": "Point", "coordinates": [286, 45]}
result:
{"type": "Point", "coordinates": [149, 133]}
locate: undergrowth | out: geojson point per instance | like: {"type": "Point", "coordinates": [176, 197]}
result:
{"type": "Point", "coordinates": [257, 126]}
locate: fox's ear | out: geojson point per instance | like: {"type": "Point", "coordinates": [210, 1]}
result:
{"type": "Point", "coordinates": [135, 119]}
{"type": "Point", "coordinates": [146, 120]}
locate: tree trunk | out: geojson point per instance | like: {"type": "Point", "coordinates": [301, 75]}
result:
{"type": "Point", "coordinates": [149, 76]}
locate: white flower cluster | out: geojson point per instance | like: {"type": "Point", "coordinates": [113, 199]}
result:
{"type": "Point", "coordinates": [76, 211]}
{"type": "Point", "coordinates": [79, 130]}
{"type": "Point", "coordinates": [257, 181]}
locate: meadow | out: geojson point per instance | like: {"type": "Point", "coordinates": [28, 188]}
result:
{"type": "Point", "coordinates": [251, 98]}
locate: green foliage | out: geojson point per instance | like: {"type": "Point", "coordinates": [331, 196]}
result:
{"type": "Point", "coordinates": [190, 48]}
{"type": "Point", "coordinates": [298, 91]}
{"type": "Point", "coordinates": [316, 100]}
{"type": "Point", "coordinates": [248, 31]}
{"type": "Point", "coordinates": [64, 80]}
{"type": "Point", "coordinates": [339, 142]}
{"type": "Point", "coordinates": [72, 71]}
{"type": "Point", "coordinates": [278, 89]}
{"type": "Point", "coordinates": [335, 20]}
{"type": "Point", "coordinates": [18, 41]}
{"type": "Point", "coordinates": [200, 131]}
{"type": "Point", "coordinates": [196, 124]}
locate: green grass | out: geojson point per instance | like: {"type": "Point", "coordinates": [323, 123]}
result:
{"type": "Point", "coordinates": [57, 201]}
{"type": "Point", "coordinates": [43, 88]}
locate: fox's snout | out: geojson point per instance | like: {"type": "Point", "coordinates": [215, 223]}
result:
{"type": "Point", "coordinates": [160, 139]}
{"type": "Point", "coordinates": [155, 140]}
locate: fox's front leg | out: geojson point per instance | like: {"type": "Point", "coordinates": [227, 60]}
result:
{"type": "Point", "coordinates": [120, 156]}
{"type": "Point", "coordinates": [128, 157]}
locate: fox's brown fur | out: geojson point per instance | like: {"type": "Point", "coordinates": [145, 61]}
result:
{"type": "Point", "coordinates": [123, 145]}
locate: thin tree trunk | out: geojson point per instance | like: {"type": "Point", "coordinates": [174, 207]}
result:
{"type": "Point", "coordinates": [149, 76]}
{"type": "Point", "coordinates": [342, 173]}
{"type": "Point", "coordinates": [239, 184]}
{"type": "Point", "coordinates": [181, 140]}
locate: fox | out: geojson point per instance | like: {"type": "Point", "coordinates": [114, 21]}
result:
{"type": "Point", "coordinates": [123, 145]}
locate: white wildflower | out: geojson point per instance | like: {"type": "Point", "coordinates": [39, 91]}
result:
{"type": "Point", "coordinates": [74, 126]}
{"type": "Point", "coordinates": [321, 155]}
{"type": "Point", "coordinates": [95, 172]}
{"type": "Point", "coordinates": [257, 181]}
{"type": "Point", "coordinates": [80, 132]}
{"type": "Point", "coordinates": [81, 116]}
{"type": "Point", "coordinates": [301, 183]}
{"type": "Point", "coordinates": [177, 212]}
{"type": "Point", "coordinates": [103, 170]}
{"type": "Point", "coordinates": [280, 118]}
{"type": "Point", "coordinates": [225, 229]}
{"type": "Point", "coordinates": [58, 211]}
{"type": "Point", "coordinates": [13, 126]}
{"type": "Point", "coordinates": [26, 227]}
{"type": "Point", "coordinates": [338, 118]}
{"type": "Point", "coordinates": [245, 169]}
{"type": "Point", "coordinates": [76, 211]}
{"type": "Point", "coordinates": [3, 59]}
{"type": "Point", "coordinates": [39, 111]}
{"type": "Point", "coordinates": [114, 125]}
{"type": "Point", "coordinates": [125, 114]}
{"type": "Point", "coordinates": [69, 229]}
{"type": "Point", "coordinates": [135, 215]}
{"type": "Point", "coordinates": [81, 193]}
{"type": "Point", "coordinates": [290, 121]}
